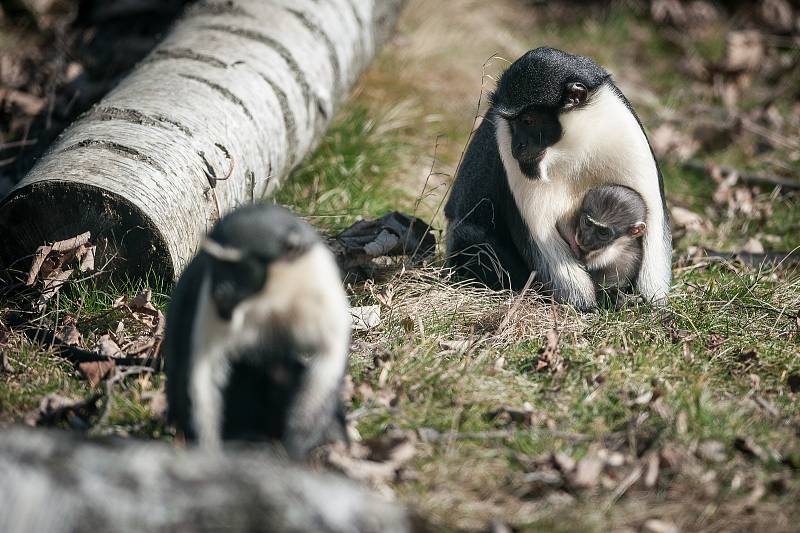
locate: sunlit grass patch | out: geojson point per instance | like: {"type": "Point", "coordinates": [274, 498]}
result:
{"type": "Point", "coordinates": [346, 178]}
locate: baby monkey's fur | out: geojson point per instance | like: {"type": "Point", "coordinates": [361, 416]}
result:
{"type": "Point", "coordinates": [606, 234]}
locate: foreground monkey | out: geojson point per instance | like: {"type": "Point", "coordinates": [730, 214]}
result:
{"type": "Point", "coordinates": [557, 127]}
{"type": "Point", "coordinates": [258, 334]}
{"type": "Point", "coordinates": [606, 234]}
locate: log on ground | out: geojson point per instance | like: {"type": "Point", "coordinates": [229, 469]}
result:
{"type": "Point", "coordinates": [55, 481]}
{"type": "Point", "coordinates": [216, 116]}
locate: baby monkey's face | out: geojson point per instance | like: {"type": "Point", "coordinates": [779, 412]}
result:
{"type": "Point", "coordinates": [592, 235]}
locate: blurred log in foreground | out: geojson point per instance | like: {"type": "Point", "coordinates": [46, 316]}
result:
{"type": "Point", "coordinates": [56, 482]}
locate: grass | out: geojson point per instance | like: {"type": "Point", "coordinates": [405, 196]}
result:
{"type": "Point", "coordinates": [345, 179]}
{"type": "Point", "coordinates": [717, 368]}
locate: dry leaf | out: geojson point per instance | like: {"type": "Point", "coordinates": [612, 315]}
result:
{"type": "Point", "coordinates": [745, 51]}
{"type": "Point", "coordinates": [688, 220]}
{"type": "Point", "coordinates": [508, 415]}
{"type": "Point", "coordinates": [69, 333]}
{"type": "Point", "coordinates": [653, 464]}
{"type": "Point", "coordinates": [778, 15]}
{"type": "Point", "coordinates": [563, 462]}
{"type": "Point", "coordinates": [106, 346]}
{"type": "Point", "coordinates": [458, 346]}
{"type": "Point", "coordinates": [375, 461]}
{"type": "Point", "coordinates": [712, 451]}
{"type": "Point", "coordinates": [750, 448]}
{"type": "Point", "coordinates": [157, 402]}
{"type": "Point", "coordinates": [587, 471]}
{"type": "Point", "coordinates": [86, 263]}
{"type": "Point", "coordinates": [366, 317]}
{"type": "Point", "coordinates": [753, 246]}
{"type": "Point", "coordinates": [668, 11]}
{"type": "Point", "coordinates": [668, 141]}
{"type": "Point", "coordinates": [55, 409]}
{"type": "Point", "coordinates": [96, 371]}
{"type": "Point", "coordinates": [655, 525]}
{"type": "Point", "coordinates": [550, 354]}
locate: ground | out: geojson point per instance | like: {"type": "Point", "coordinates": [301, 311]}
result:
{"type": "Point", "coordinates": [524, 412]}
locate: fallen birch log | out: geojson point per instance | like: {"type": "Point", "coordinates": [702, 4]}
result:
{"type": "Point", "coordinates": [216, 116]}
{"type": "Point", "coordinates": [57, 482]}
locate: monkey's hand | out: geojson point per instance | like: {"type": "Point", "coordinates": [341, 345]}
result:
{"type": "Point", "coordinates": [568, 278]}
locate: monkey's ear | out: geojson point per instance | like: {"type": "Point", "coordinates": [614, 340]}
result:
{"type": "Point", "coordinates": [575, 95]}
{"type": "Point", "coordinates": [637, 229]}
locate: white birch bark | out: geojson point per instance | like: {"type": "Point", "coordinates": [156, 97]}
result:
{"type": "Point", "coordinates": [56, 482]}
{"type": "Point", "coordinates": [216, 116]}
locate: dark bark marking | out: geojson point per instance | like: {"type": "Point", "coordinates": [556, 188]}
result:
{"type": "Point", "coordinates": [136, 117]}
{"type": "Point", "coordinates": [281, 50]}
{"type": "Point", "coordinates": [320, 34]}
{"type": "Point", "coordinates": [250, 179]}
{"type": "Point", "coordinates": [173, 122]}
{"type": "Point", "coordinates": [119, 149]}
{"type": "Point", "coordinates": [288, 118]}
{"type": "Point", "coordinates": [360, 24]}
{"type": "Point", "coordinates": [185, 53]}
{"type": "Point", "coordinates": [223, 91]}
{"type": "Point", "coordinates": [226, 7]}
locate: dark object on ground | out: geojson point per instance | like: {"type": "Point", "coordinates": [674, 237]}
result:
{"type": "Point", "coordinates": [58, 482]}
{"type": "Point", "coordinates": [394, 234]}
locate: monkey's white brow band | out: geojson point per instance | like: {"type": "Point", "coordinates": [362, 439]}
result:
{"type": "Point", "coordinates": [222, 253]}
{"type": "Point", "coordinates": [596, 223]}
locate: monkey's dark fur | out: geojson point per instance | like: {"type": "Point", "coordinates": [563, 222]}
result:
{"type": "Point", "coordinates": [557, 126]}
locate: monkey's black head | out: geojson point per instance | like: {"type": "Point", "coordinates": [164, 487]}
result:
{"type": "Point", "coordinates": [609, 213]}
{"type": "Point", "coordinates": [243, 246]}
{"type": "Point", "coordinates": [534, 91]}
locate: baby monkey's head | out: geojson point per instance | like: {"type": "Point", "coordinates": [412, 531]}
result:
{"type": "Point", "coordinates": [610, 214]}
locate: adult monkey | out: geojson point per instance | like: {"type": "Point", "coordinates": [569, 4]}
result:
{"type": "Point", "coordinates": [557, 126]}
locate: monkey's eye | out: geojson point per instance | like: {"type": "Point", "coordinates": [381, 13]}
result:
{"type": "Point", "coordinates": [604, 233]}
{"type": "Point", "coordinates": [586, 221]}
{"type": "Point", "coordinates": [527, 119]}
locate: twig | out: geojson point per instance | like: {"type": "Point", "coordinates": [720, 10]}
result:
{"type": "Point", "coordinates": [752, 179]}
{"type": "Point", "coordinates": [76, 355]}
{"type": "Point", "coordinates": [783, 258]}
{"type": "Point", "coordinates": [518, 301]}
{"type": "Point", "coordinates": [624, 485]}
{"type": "Point", "coordinates": [119, 376]}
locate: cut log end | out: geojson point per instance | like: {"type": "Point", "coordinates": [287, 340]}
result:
{"type": "Point", "coordinates": [128, 245]}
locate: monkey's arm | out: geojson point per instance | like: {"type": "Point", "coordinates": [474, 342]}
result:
{"type": "Point", "coordinates": [177, 345]}
{"type": "Point", "coordinates": [315, 413]}
{"type": "Point", "coordinates": [479, 243]}
{"type": "Point", "coordinates": [655, 273]}
{"type": "Point", "coordinates": [562, 274]}
{"type": "Point", "coordinates": [478, 254]}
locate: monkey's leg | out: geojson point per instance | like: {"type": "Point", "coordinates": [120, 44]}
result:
{"type": "Point", "coordinates": [207, 381]}
{"type": "Point", "coordinates": [474, 253]}
{"type": "Point", "coordinates": [655, 273]}
{"type": "Point", "coordinates": [313, 413]}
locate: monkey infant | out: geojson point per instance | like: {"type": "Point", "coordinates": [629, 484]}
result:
{"type": "Point", "coordinates": [606, 234]}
